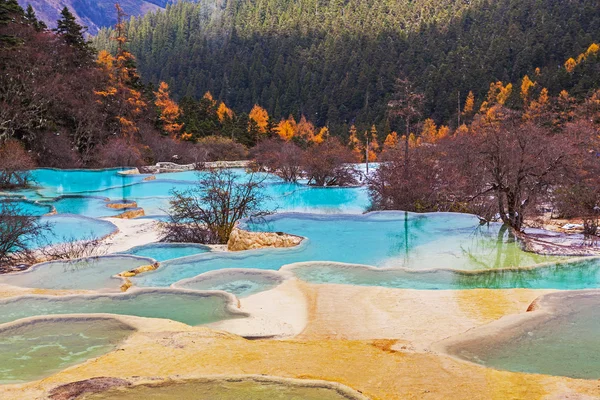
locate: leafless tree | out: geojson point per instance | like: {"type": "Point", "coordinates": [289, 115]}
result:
{"type": "Point", "coordinates": [278, 157]}
{"type": "Point", "coordinates": [15, 164]}
{"type": "Point", "coordinates": [329, 164]}
{"type": "Point", "coordinates": [208, 212]}
{"type": "Point", "coordinates": [17, 233]}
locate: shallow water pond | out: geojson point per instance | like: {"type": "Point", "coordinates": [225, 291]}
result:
{"type": "Point", "coordinates": [565, 342]}
{"type": "Point", "coordinates": [225, 390]}
{"type": "Point", "coordinates": [390, 239]}
{"type": "Point", "coordinates": [39, 348]}
{"type": "Point", "coordinates": [167, 251]}
{"type": "Point", "coordinates": [88, 273]}
{"type": "Point", "coordinates": [186, 307]}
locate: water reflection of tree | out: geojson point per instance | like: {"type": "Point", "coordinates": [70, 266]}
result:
{"type": "Point", "coordinates": [486, 252]}
{"type": "Point", "coordinates": [405, 242]}
{"type": "Point", "coordinates": [577, 275]}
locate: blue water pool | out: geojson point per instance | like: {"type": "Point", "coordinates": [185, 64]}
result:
{"type": "Point", "coordinates": [182, 306]}
{"type": "Point", "coordinates": [241, 283]}
{"type": "Point", "coordinates": [561, 340]}
{"type": "Point", "coordinates": [70, 227]}
{"type": "Point", "coordinates": [390, 239]}
{"type": "Point", "coordinates": [87, 273]}
{"type": "Point", "coordinates": [55, 182]}
{"type": "Point", "coordinates": [27, 207]}
{"type": "Point", "coordinates": [583, 274]}
{"type": "Point", "coordinates": [94, 207]}
{"type": "Point", "coordinates": [38, 348]}
{"type": "Point", "coordinates": [167, 251]}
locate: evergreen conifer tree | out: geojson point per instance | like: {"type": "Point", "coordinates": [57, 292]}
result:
{"type": "Point", "coordinates": [73, 34]}
{"type": "Point", "coordinates": [33, 20]}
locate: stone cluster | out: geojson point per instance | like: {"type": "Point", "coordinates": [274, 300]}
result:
{"type": "Point", "coordinates": [240, 240]}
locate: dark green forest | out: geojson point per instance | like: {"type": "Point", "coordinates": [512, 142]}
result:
{"type": "Point", "coordinates": [336, 61]}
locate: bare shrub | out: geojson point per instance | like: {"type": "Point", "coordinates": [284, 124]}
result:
{"type": "Point", "coordinates": [17, 233]}
{"type": "Point", "coordinates": [278, 157]}
{"type": "Point", "coordinates": [118, 152]}
{"type": "Point", "coordinates": [55, 150]}
{"type": "Point", "coordinates": [71, 247]}
{"type": "Point", "coordinates": [219, 148]}
{"type": "Point", "coordinates": [15, 164]}
{"type": "Point", "coordinates": [329, 164]}
{"type": "Point", "coordinates": [208, 212]}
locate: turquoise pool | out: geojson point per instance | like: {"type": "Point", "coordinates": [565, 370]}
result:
{"type": "Point", "coordinates": [561, 340]}
{"type": "Point", "coordinates": [94, 207]}
{"type": "Point", "coordinates": [35, 349]}
{"type": "Point", "coordinates": [178, 305]}
{"type": "Point", "coordinates": [91, 273]}
{"type": "Point", "coordinates": [241, 283]}
{"type": "Point", "coordinates": [83, 191]}
{"type": "Point", "coordinates": [27, 207]}
{"type": "Point", "coordinates": [55, 182]}
{"type": "Point", "coordinates": [388, 239]}
{"type": "Point", "coordinates": [70, 227]}
{"type": "Point", "coordinates": [167, 251]}
{"type": "Point", "coordinates": [583, 274]}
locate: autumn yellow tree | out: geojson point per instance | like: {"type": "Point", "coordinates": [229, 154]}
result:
{"type": "Point", "coordinates": [260, 117]}
{"type": "Point", "coordinates": [121, 93]}
{"type": "Point", "coordinates": [286, 128]}
{"type": "Point", "coordinates": [391, 141]}
{"type": "Point", "coordinates": [224, 112]}
{"type": "Point", "coordinates": [537, 108]}
{"type": "Point", "coordinates": [498, 94]}
{"type": "Point", "coordinates": [305, 130]}
{"type": "Point", "coordinates": [469, 104]}
{"type": "Point", "coordinates": [570, 65]}
{"type": "Point", "coordinates": [429, 132]}
{"type": "Point", "coordinates": [355, 144]}
{"type": "Point", "coordinates": [322, 136]}
{"type": "Point", "coordinates": [373, 144]}
{"type": "Point", "coordinates": [526, 85]}
{"type": "Point", "coordinates": [168, 110]}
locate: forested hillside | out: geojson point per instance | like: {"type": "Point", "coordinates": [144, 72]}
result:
{"type": "Point", "coordinates": [336, 61]}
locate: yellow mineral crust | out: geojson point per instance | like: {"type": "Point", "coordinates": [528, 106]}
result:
{"type": "Point", "coordinates": [377, 372]}
{"type": "Point", "coordinates": [375, 340]}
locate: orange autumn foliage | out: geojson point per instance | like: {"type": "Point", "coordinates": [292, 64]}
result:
{"type": "Point", "coordinates": [355, 144]}
{"type": "Point", "coordinates": [391, 141]}
{"type": "Point", "coordinates": [260, 116]}
{"type": "Point", "coordinates": [223, 111]}
{"type": "Point", "coordinates": [305, 130]}
{"type": "Point", "coordinates": [322, 136]}
{"type": "Point", "coordinates": [286, 128]}
{"type": "Point", "coordinates": [169, 110]}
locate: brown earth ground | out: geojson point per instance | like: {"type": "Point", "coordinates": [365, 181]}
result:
{"type": "Point", "coordinates": [372, 339]}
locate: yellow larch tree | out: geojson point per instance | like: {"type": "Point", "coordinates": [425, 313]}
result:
{"type": "Point", "coordinates": [429, 132]}
{"type": "Point", "coordinates": [260, 116]}
{"type": "Point", "coordinates": [322, 136]}
{"type": "Point", "coordinates": [305, 129]}
{"type": "Point", "coordinates": [168, 109]}
{"type": "Point", "coordinates": [526, 85]}
{"type": "Point", "coordinates": [286, 128]}
{"type": "Point", "coordinates": [442, 132]}
{"type": "Point", "coordinates": [355, 144]}
{"type": "Point", "coordinates": [373, 144]}
{"type": "Point", "coordinates": [224, 111]}
{"type": "Point", "coordinates": [469, 104]}
{"type": "Point", "coordinates": [570, 65]}
{"type": "Point", "coordinates": [391, 141]}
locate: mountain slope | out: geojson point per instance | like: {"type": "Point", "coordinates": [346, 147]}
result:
{"type": "Point", "coordinates": [336, 60]}
{"type": "Point", "coordinates": [90, 13]}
